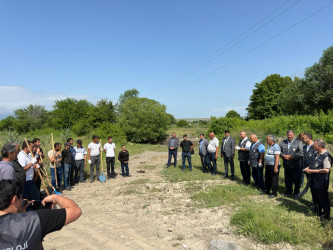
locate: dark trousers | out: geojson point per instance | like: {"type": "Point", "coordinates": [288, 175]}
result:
{"type": "Point", "coordinates": [110, 164]}
{"type": "Point", "coordinates": [79, 169]}
{"type": "Point", "coordinates": [188, 156]}
{"type": "Point", "coordinates": [71, 174]}
{"type": "Point", "coordinates": [271, 179]}
{"type": "Point", "coordinates": [257, 175]}
{"type": "Point", "coordinates": [292, 176]}
{"type": "Point", "coordinates": [174, 154]}
{"type": "Point", "coordinates": [67, 169]}
{"type": "Point", "coordinates": [246, 171]}
{"type": "Point", "coordinates": [210, 157]}
{"type": "Point", "coordinates": [30, 192]}
{"type": "Point", "coordinates": [203, 163]}
{"type": "Point", "coordinates": [59, 176]}
{"type": "Point", "coordinates": [228, 160]}
{"type": "Point", "coordinates": [321, 202]}
{"type": "Point", "coordinates": [124, 169]}
{"type": "Point", "coordinates": [95, 161]}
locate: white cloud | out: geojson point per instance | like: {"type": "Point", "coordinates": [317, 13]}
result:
{"type": "Point", "coordinates": [14, 97]}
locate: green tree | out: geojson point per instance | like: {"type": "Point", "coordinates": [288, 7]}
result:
{"type": "Point", "coordinates": [182, 124]}
{"type": "Point", "coordinates": [264, 101]}
{"type": "Point", "coordinates": [144, 120]}
{"type": "Point", "coordinates": [31, 118]}
{"type": "Point", "coordinates": [7, 123]}
{"type": "Point", "coordinates": [103, 111]}
{"type": "Point", "coordinates": [232, 114]}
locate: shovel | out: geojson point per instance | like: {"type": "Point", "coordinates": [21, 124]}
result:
{"type": "Point", "coordinates": [102, 176]}
{"type": "Point", "coordinates": [48, 180]}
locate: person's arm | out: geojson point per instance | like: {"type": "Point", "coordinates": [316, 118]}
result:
{"type": "Point", "coordinates": [276, 163]}
{"type": "Point", "coordinates": [216, 152]}
{"type": "Point", "coordinates": [73, 211]}
{"type": "Point", "coordinates": [88, 153]}
{"type": "Point", "coordinates": [317, 171]}
{"type": "Point", "coordinates": [262, 153]}
{"type": "Point", "coordinates": [298, 153]}
{"type": "Point", "coordinates": [192, 146]}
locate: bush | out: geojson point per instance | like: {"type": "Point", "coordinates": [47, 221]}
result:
{"type": "Point", "coordinates": [110, 129]}
{"type": "Point", "coordinates": [182, 124]}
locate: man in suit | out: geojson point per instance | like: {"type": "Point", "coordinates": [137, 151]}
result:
{"type": "Point", "coordinates": [291, 153]}
{"type": "Point", "coordinates": [173, 144]}
{"type": "Point", "coordinates": [228, 154]}
{"type": "Point", "coordinates": [203, 144]}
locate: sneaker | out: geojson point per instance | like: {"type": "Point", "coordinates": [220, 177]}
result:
{"type": "Point", "coordinates": [272, 196]}
{"type": "Point", "coordinates": [68, 188]}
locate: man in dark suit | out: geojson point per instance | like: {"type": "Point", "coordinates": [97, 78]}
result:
{"type": "Point", "coordinates": [291, 153]}
{"type": "Point", "coordinates": [228, 154]}
{"type": "Point", "coordinates": [203, 144]}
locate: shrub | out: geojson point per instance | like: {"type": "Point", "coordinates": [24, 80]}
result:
{"type": "Point", "coordinates": [182, 124]}
{"type": "Point", "coordinates": [110, 129]}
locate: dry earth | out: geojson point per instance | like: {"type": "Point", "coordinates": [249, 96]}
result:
{"type": "Point", "coordinates": [147, 214]}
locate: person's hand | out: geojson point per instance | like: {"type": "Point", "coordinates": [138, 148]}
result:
{"type": "Point", "coordinates": [50, 198]}
{"type": "Point", "coordinates": [276, 170]}
{"type": "Point", "coordinates": [237, 148]}
{"type": "Point", "coordinates": [25, 204]}
{"type": "Point", "coordinates": [248, 163]}
{"type": "Point", "coordinates": [85, 162]}
{"type": "Point", "coordinates": [89, 161]}
{"type": "Point", "coordinates": [37, 166]}
{"type": "Point", "coordinates": [216, 157]}
{"type": "Point", "coordinates": [233, 156]}
{"type": "Point", "coordinates": [260, 165]}
{"type": "Point", "coordinates": [33, 160]}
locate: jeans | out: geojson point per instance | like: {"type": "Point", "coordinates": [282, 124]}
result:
{"type": "Point", "coordinates": [79, 168]}
{"type": "Point", "coordinates": [271, 179]}
{"type": "Point", "coordinates": [174, 154]}
{"type": "Point", "coordinates": [257, 174]}
{"type": "Point", "coordinates": [59, 177]}
{"type": "Point", "coordinates": [95, 161]}
{"type": "Point", "coordinates": [110, 162]}
{"type": "Point", "coordinates": [228, 160]}
{"type": "Point", "coordinates": [292, 176]}
{"type": "Point", "coordinates": [188, 156]}
{"type": "Point", "coordinates": [124, 167]}
{"type": "Point", "coordinates": [246, 171]}
{"type": "Point", "coordinates": [67, 170]}
{"type": "Point", "coordinates": [210, 157]}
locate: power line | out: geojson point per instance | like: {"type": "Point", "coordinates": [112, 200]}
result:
{"type": "Point", "coordinates": [219, 52]}
{"type": "Point", "coordinates": [251, 50]}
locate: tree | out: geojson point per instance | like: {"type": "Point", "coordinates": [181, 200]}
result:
{"type": "Point", "coordinates": [7, 123]}
{"type": "Point", "coordinates": [264, 102]}
{"type": "Point", "coordinates": [31, 118]}
{"type": "Point", "coordinates": [127, 95]}
{"type": "Point", "coordinates": [182, 124]}
{"type": "Point", "coordinates": [103, 111]}
{"type": "Point", "coordinates": [232, 114]}
{"type": "Point", "coordinates": [144, 120]}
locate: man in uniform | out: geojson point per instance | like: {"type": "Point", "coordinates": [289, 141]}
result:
{"type": "Point", "coordinates": [320, 173]}
{"type": "Point", "coordinates": [243, 157]}
{"type": "Point", "coordinates": [256, 155]}
{"type": "Point", "coordinates": [173, 144]}
{"type": "Point", "coordinates": [203, 143]}
{"type": "Point", "coordinates": [291, 153]}
{"type": "Point", "coordinates": [228, 154]}
{"type": "Point", "coordinates": [308, 152]}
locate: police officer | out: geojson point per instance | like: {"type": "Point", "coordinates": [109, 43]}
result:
{"type": "Point", "coordinates": [256, 155]}
{"type": "Point", "coordinates": [291, 153]}
{"type": "Point", "coordinates": [308, 152]}
{"type": "Point", "coordinates": [243, 148]}
{"type": "Point", "coordinates": [320, 172]}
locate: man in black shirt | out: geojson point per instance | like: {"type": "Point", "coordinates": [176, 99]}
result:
{"type": "Point", "coordinates": [26, 230]}
{"type": "Point", "coordinates": [67, 163]}
{"type": "Point", "coordinates": [186, 146]}
{"type": "Point", "coordinates": [123, 157]}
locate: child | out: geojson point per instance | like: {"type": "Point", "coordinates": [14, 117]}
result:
{"type": "Point", "coordinates": [123, 157]}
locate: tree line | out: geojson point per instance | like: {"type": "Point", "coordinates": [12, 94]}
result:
{"type": "Point", "coordinates": [135, 118]}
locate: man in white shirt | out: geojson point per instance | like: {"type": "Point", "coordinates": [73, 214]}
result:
{"type": "Point", "coordinates": [109, 149]}
{"type": "Point", "coordinates": [29, 191]}
{"type": "Point", "coordinates": [243, 148]}
{"type": "Point", "coordinates": [94, 149]}
{"type": "Point", "coordinates": [212, 153]}
{"type": "Point", "coordinates": [80, 160]}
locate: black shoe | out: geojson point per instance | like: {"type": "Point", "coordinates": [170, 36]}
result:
{"type": "Point", "coordinates": [224, 176]}
{"type": "Point", "coordinates": [123, 175]}
{"type": "Point", "coordinates": [91, 181]}
{"type": "Point", "coordinates": [232, 178]}
{"type": "Point", "coordinates": [113, 177]}
{"type": "Point", "coordinates": [109, 177]}
{"type": "Point", "coordinates": [68, 188]}
{"type": "Point", "coordinates": [167, 166]}
{"type": "Point", "coordinates": [84, 181]}
{"type": "Point", "coordinates": [262, 193]}
{"type": "Point", "coordinates": [272, 196]}
{"type": "Point", "coordinates": [129, 175]}
{"type": "Point", "coordinates": [296, 197]}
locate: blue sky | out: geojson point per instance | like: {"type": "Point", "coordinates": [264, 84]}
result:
{"type": "Point", "coordinates": [94, 49]}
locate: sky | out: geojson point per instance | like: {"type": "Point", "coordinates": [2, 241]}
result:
{"type": "Point", "coordinates": [200, 58]}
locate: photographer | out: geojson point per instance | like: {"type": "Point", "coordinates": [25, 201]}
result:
{"type": "Point", "coordinates": [26, 230]}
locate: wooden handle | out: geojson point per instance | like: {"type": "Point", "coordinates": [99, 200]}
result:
{"type": "Point", "coordinates": [55, 163]}
{"type": "Point", "coordinates": [40, 176]}
{"type": "Point", "coordinates": [100, 141]}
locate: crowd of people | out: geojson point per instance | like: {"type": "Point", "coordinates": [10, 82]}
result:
{"type": "Point", "coordinates": [301, 156]}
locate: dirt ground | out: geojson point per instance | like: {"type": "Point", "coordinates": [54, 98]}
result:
{"type": "Point", "coordinates": [144, 212]}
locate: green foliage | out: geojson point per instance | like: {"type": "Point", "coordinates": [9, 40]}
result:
{"type": "Point", "coordinates": [173, 120]}
{"type": "Point", "coordinates": [144, 120]}
{"type": "Point", "coordinates": [7, 123]}
{"type": "Point", "coordinates": [31, 118]}
{"type": "Point", "coordinates": [269, 224]}
{"type": "Point", "coordinates": [232, 114]}
{"type": "Point", "coordinates": [182, 124]}
{"type": "Point", "coordinates": [107, 129]}
{"type": "Point", "coordinates": [264, 102]}
{"type": "Point", "coordinates": [127, 95]}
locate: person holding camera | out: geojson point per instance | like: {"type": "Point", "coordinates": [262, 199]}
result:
{"type": "Point", "coordinates": [26, 230]}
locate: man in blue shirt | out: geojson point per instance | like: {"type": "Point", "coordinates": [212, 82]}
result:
{"type": "Point", "coordinates": [272, 165]}
{"type": "Point", "coordinates": [256, 155]}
